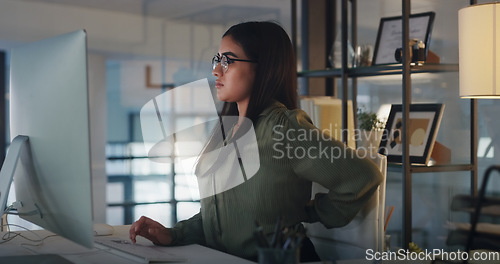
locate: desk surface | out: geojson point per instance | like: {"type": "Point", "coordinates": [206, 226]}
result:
{"type": "Point", "coordinates": [79, 254]}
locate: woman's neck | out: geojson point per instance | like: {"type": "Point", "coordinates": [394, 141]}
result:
{"type": "Point", "coordinates": [242, 112]}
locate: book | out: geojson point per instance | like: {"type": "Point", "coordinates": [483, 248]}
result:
{"type": "Point", "coordinates": [326, 114]}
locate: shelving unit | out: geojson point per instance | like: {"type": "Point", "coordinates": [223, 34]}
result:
{"type": "Point", "coordinates": [405, 69]}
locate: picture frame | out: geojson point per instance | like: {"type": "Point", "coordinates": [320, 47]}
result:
{"type": "Point", "coordinates": [389, 36]}
{"type": "Point", "coordinates": [423, 128]}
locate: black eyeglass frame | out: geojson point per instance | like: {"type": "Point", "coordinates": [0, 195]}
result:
{"type": "Point", "coordinates": [219, 59]}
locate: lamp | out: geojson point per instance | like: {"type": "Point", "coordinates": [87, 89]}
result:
{"type": "Point", "coordinates": [479, 51]}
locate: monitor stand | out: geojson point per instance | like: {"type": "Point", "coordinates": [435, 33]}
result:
{"type": "Point", "coordinates": [19, 150]}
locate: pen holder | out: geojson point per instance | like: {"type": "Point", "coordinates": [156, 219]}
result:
{"type": "Point", "coordinates": [278, 256]}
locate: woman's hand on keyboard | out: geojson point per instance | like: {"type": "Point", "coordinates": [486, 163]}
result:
{"type": "Point", "coordinates": [152, 230]}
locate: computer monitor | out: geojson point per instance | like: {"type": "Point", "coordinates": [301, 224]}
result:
{"type": "Point", "coordinates": [49, 157]}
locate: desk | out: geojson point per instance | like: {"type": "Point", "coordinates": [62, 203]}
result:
{"type": "Point", "coordinates": [81, 255]}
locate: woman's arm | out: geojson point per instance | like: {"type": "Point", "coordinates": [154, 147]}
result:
{"type": "Point", "coordinates": [350, 178]}
{"type": "Point", "coordinates": [189, 231]}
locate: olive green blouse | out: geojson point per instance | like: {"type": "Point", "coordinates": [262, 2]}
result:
{"type": "Point", "coordinates": [293, 153]}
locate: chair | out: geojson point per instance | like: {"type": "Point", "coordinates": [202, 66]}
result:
{"type": "Point", "coordinates": [478, 234]}
{"type": "Point", "coordinates": [365, 231]}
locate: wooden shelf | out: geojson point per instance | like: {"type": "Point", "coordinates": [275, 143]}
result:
{"type": "Point", "coordinates": [378, 70]}
{"type": "Point", "coordinates": [420, 168]}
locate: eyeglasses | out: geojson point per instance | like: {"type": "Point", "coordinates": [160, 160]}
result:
{"type": "Point", "coordinates": [225, 61]}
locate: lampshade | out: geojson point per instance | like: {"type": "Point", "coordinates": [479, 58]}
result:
{"type": "Point", "coordinates": [479, 51]}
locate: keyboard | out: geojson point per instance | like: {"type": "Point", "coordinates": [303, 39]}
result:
{"type": "Point", "coordinates": [136, 252]}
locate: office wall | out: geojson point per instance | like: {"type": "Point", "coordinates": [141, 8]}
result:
{"type": "Point", "coordinates": [112, 33]}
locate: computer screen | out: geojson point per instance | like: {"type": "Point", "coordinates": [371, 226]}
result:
{"type": "Point", "coordinates": [49, 157]}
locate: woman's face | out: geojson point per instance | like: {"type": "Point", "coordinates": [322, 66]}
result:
{"type": "Point", "coordinates": [235, 84]}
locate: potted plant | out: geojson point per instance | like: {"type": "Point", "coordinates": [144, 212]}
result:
{"type": "Point", "coordinates": [370, 130]}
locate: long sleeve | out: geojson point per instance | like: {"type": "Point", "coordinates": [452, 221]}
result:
{"type": "Point", "coordinates": [289, 161]}
{"type": "Point", "coordinates": [350, 179]}
{"type": "Point", "coordinates": [189, 231]}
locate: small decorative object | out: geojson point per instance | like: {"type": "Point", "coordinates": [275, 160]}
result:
{"type": "Point", "coordinates": [369, 121]}
{"type": "Point", "coordinates": [335, 56]}
{"type": "Point", "coordinates": [424, 124]}
{"type": "Point", "coordinates": [390, 34]}
{"type": "Point", "coordinates": [362, 56]}
{"type": "Point", "coordinates": [370, 130]}
{"type": "Point", "coordinates": [417, 52]}
{"type": "Point", "coordinates": [413, 247]}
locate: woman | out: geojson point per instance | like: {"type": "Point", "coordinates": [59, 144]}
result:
{"type": "Point", "coordinates": [256, 78]}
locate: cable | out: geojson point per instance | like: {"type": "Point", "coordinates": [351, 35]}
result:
{"type": "Point", "coordinates": [8, 209]}
{"type": "Point", "coordinates": [38, 242]}
{"type": "Point", "coordinates": [17, 205]}
{"type": "Point", "coordinates": [9, 235]}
